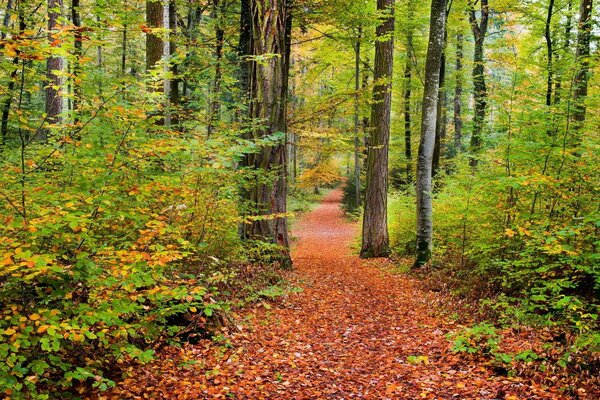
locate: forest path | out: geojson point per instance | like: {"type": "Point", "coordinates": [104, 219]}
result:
{"type": "Point", "coordinates": [354, 332]}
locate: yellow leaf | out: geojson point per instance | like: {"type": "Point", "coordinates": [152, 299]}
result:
{"type": "Point", "coordinates": [10, 331]}
{"type": "Point", "coordinates": [42, 328]}
{"type": "Point", "coordinates": [34, 317]}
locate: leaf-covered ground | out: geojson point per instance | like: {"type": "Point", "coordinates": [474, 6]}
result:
{"type": "Point", "coordinates": [354, 332]}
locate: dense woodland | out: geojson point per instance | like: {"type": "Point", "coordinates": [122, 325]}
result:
{"type": "Point", "coordinates": [155, 155]}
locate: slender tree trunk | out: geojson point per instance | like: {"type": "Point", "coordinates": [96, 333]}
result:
{"type": "Point", "coordinates": [566, 47]}
{"type": "Point", "coordinates": [375, 239]}
{"type": "Point", "coordinates": [549, 63]}
{"type": "Point", "coordinates": [440, 129]}
{"type": "Point", "coordinates": [407, 97]}
{"type": "Point", "coordinates": [13, 74]}
{"type": "Point", "coordinates": [268, 93]}
{"type": "Point", "coordinates": [78, 53]}
{"type": "Point", "coordinates": [428, 127]}
{"type": "Point", "coordinates": [174, 81]}
{"type": "Point", "coordinates": [124, 51]}
{"type": "Point", "coordinates": [365, 119]}
{"type": "Point", "coordinates": [357, 161]}
{"type": "Point", "coordinates": [215, 102]}
{"type": "Point", "coordinates": [479, 28]}
{"type": "Point", "coordinates": [54, 64]}
{"type": "Point", "coordinates": [583, 63]}
{"type": "Point", "coordinates": [458, 89]}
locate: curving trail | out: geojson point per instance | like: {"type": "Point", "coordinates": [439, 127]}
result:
{"type": "Point", "coordinates": [348, 335]}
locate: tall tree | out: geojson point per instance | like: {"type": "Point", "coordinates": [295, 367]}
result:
{"type": "Point", "coordinates": [406, 109]}
{"type": "Point", "coordinates": [458, 89]}
{"type": "Point", "coordinates": [154, 42]}
{"type": "Point", "coordinates": [77, 53]}
{"type": "Point", "coordinates": [357, 161]}
{"type": "Point", "coordinates": [375, 238]}
{"type": "Point", "coordinates": [584, 34]}
{"type": "Point", "coordinates": [54, 64]}
{"type": "Point", "coordinates": [428, 127]}
{"type": "Point", "coordinates": [268, 97]}
{"type": "Point", "coordinates": [479, 28]}
{"type": "Point", "coordinates": [218, 10]}
{"type": "Point", "coordinates": [440, 129]}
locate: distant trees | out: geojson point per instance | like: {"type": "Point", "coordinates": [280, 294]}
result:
{"type": "Point", "coordinates": [375, 240]}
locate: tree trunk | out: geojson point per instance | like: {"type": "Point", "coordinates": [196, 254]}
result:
{"type": "Point", "coordinates": [583, 63]}
{"type": "Point", "coordinates": [78, 53]}
{"type": "Point", "coordinates": [407, 97]}
{"type": "Point", "coordinates": [428, 128]}
{"type": "Point", "coordinates": [245, 48]}
{"type": "Point", "coordinates": [440, 129]}
{"type": "Point", "coordinates": [357, 161]}
{"type": "Point", "coordinates": [458, 88]}
{"type": "Point", "coordinates": [268, 93]}
{"type": "Point", "coordinates": [549, 64]}
{"type": "Point", "coordinates": [174, 81]}
{"type": "Point", "coordinates": [54, 99]}
{"type": "Point", "coordinates": [154, 43]}
{"type": "Point", "coordinates": [13, 75]}
{"type": "Point", "coordinates": [375, 239]}
{"type": "Point", "coordinates": [215, 101]}
{"type": "Point", "coordinates": [566, 46]}
{"type": "Point", "coordinates": [479, 29]}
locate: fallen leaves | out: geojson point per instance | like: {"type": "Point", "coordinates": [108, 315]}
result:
{"type": "Point", "coordinates": [354, 332]}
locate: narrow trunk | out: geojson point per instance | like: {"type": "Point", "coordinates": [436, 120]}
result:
{"type": "Point", "coordinates": [566, 47]}
{"type": "Point", "coordinates": [428, 127]}
{"type": "Point", "coordinates": [583, 63]}
{"type": "Point", "coordinates": [458, 89]}
{"type": "Point", "coordinates": [549, 65]}
{"type": "Point", "coordinates": [357, 160]}
{"type": "Point", "coordinates": [440, 129]}
{"type": "Point", "coordinates": [54, 64]}
{"type": "Point", "coordinates": [479, 28]}
{"type": "Point", "coordinates": [174, 81]}
{"type": "Point", "coordinates": [78, 53]}
{"type": "Point", "coordinates": [375, 239]}
{"type": "Point", "coordinates": [407, 97]}
{"type": "Point", "coordinates": [215, 102]}
{"type": "Point", "coordinates": [124, 51]}
{"type": "Point", "coordinates": [13, 75]}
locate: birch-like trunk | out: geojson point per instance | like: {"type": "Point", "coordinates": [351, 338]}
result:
{"type": "Point", "coordinates": [428, 127]}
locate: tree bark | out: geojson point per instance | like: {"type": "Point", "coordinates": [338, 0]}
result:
{"type": "Point", "coordinates": [549, 63]}
{"type": "Point", "coordinates": [13, 74]}
{"type": "Point", "coordinates": [428, 128]}
{"type": "Point", "coordinates": [357, 161]}
{"type": "Point", "coordinates": [375, 238]}
{"type": "Point", "coordinates": [479, 28]}
{"type": "Point", "coordinates": [154, 43]}
{"type": "Point", "coordinates": [54, 99]}
{"type": "Point", "coordinates": [407, 97]}
{"type": "Point", "coordinates": [440, 129]}
{"type": "Point", "coordinates": [583, 63]}
{"type": "Point", "coordinates": [215, 101]}
{"type": "Point", "coordinates": [458, 89]}
{"type": "Point", "coordinates": [268, 93]}
{"type": "Point", "coordinates": [78, 53]}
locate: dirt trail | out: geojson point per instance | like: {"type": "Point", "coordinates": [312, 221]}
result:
{"type": "Point", "coordinates": [349, 334]}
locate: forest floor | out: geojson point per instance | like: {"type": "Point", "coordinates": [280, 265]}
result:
{"type": "Point", "coordinates": [355, 331]}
